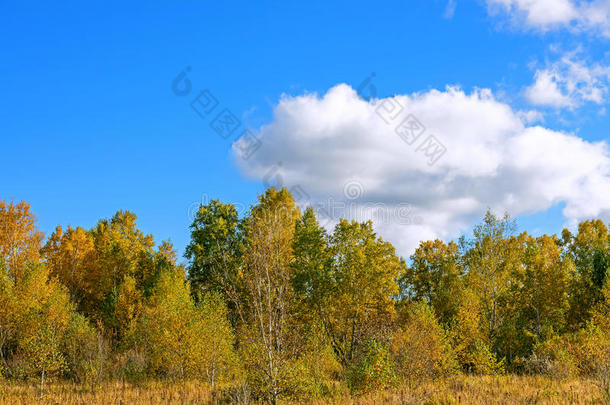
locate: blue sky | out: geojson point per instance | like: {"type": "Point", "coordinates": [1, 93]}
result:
{"type": "Point", "coordinates": [90, 125]}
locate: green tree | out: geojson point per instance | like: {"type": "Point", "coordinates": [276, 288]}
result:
{"type": "Point", "coordinates": [590, 251]}
{"type": "Point", "coordinates": [435, 276]}
{"type": "Point", "coordinates": [215, 253]}
{"type": "Point", "coordinates": [358, 294]}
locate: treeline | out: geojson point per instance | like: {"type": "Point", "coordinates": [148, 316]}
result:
{"type": "Point", "coordinates": [272, 306]}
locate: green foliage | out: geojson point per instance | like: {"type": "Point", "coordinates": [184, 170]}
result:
{"type": "Point", "coordinates": [85, 350]}
{"type": "Point", "coordinates": [275, 306]}
{"type": "Point", "coordinates": [175, 338]}
{"type": "Point", "coordinates": [436, 277]}
{"type": "Point", "coordinates": [215, 251]}
{"type": "Point", "coordinates": [373, 371]}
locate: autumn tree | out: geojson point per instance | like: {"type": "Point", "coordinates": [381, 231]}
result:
{"type": "Point", "coordinates": [420, 347]}
{"type": "Point", "coordinates": [312, 275]}
{"type": "Point", "coordinates": [44, 313]}
{"type": "Point", "coordinates": [435, 276]}
{"type": "Point", "coordinates": [267, 278]}
{"type": "Point", "coordinates": [20, 239]}
{"type": "Point", "coordinates": [489, 261]}
{"type": "Point", "coordinates": [108, 269]}
{"type": "Point", "coordinates": [358, 294]}
{"type": "Point", "coordinates": [589, 250]}
{"type": "Point", "coordinates": [181, 340]}
{"type": "Point", "coordinates": [545, 285]}
{"type": "Point", "coordinates": [70, 256]}
{"type": "Point", "coordinates": [8, 313]}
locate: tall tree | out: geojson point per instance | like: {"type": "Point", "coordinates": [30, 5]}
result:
{"type": "Point", "coordinates": [267, 277]}
{"type": "Point", "coordinates": [359, 293]}
{"type": "Point", "coordinates": [215, 253]}
{"type": "Point", "coordinates": [589, 249]}
{"type": "Point", "coordinates": [489, 261]}
{"type": "Point", "coordinates": [545, 284]}
{"type": "Point", "coordinates": [312, 267]}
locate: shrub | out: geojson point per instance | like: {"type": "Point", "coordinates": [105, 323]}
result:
{"type": "Point", "coordinates": [374, 370]}
{"type": "Point", "coordinates": [420, 349]}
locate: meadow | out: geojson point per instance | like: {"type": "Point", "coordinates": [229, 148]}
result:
{"type": "Point", "coordinates": [507, 389]}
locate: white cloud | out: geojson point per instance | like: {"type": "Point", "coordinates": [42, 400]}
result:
{"type": "Point", "coordinates": [569, 82]}
{"type": "Point", "coordinates": [543, 15]}
{"type": "Point", "coordinates": [493, 159]}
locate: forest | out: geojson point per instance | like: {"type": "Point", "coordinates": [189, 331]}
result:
{"type": "Point", "coordinates": [270, 307]}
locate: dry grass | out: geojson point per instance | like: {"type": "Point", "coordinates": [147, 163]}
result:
{"type": "Point", "coordinates": [459, 390]}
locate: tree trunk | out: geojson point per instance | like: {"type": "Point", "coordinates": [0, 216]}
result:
{"type": "Point", "coordinates": [41, 383]}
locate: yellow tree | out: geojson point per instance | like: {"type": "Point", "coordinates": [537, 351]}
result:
{"type": "Point", "coordinates": [358, 295]}
{"type": "Point", "coordinates": [267, 277]}
{"type": "Point", "coordinates": [20, 239]}
{"type": "Point", "coordinates": [545, 284]}
{"type": "Point", "coordinates": [7, 315]}
{"type": "Point", "coordinates": [180, 339]}
{"type": "Point", "coordinates": [70, 256]}
{"type": "Point", "coordinates": [420, 347]}
{"type": "Point", "coordinates": [44, 313]}
{"type": "Point", "coordinates": [490, 261]}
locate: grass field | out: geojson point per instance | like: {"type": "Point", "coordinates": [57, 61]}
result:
{"type": "Point", "coordinates": [459, 390]}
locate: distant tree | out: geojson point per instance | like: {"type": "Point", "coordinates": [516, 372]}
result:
{"type": "Point", "coordinates": [545, 284]}
{"type": "Point", "coordinates": [219, 360]}
{"type": "Point", "coordinates": [8, 314]}
{"type": "Point", "coordinates": [312, 276]}
{"type": "Point", "coordinates": [166, 331]}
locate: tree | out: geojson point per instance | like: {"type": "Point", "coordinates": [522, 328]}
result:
{"type": "Point", "coordinates": [545, 284]}
{"type": "Point", "coordinates": [44, 312]}
{"type": "Point", "coordinates": [589, 249]}
{"type": "Point", "coordinates": [215, 253]}
{"type": "Point", "coordinates": [312, 268]}
{"type": "Point", "coordinates": [420, 348]}
{"type": "Point", "coordinates": [219, 360]}
{"type": "Point", "coordinates": [435, 276]}
{"type": "Point", "coordinates": [489, 262]}
{"type": "Point", "coordinates": [267, 278]}
{"type": "Point", "coordinates": [358, 294]}
{"type": "Point", "coordinates": [166, 330]}
{"type": "Point", "coordinates": [180, 339]}
{"type": "Point", "coordinates": [70, 256]}
{"type": "Point", "coordinates": [20, 239]}
{"type": "Point", "coordinates": [8, 315]}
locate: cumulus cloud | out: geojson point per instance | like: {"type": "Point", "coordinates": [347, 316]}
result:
{"type": "Point", "coordinates": [482, 154]}
{"type": "Point", "coordinates": [543, 15]}
{"type": "Point", "coordinates": [569, 82]}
